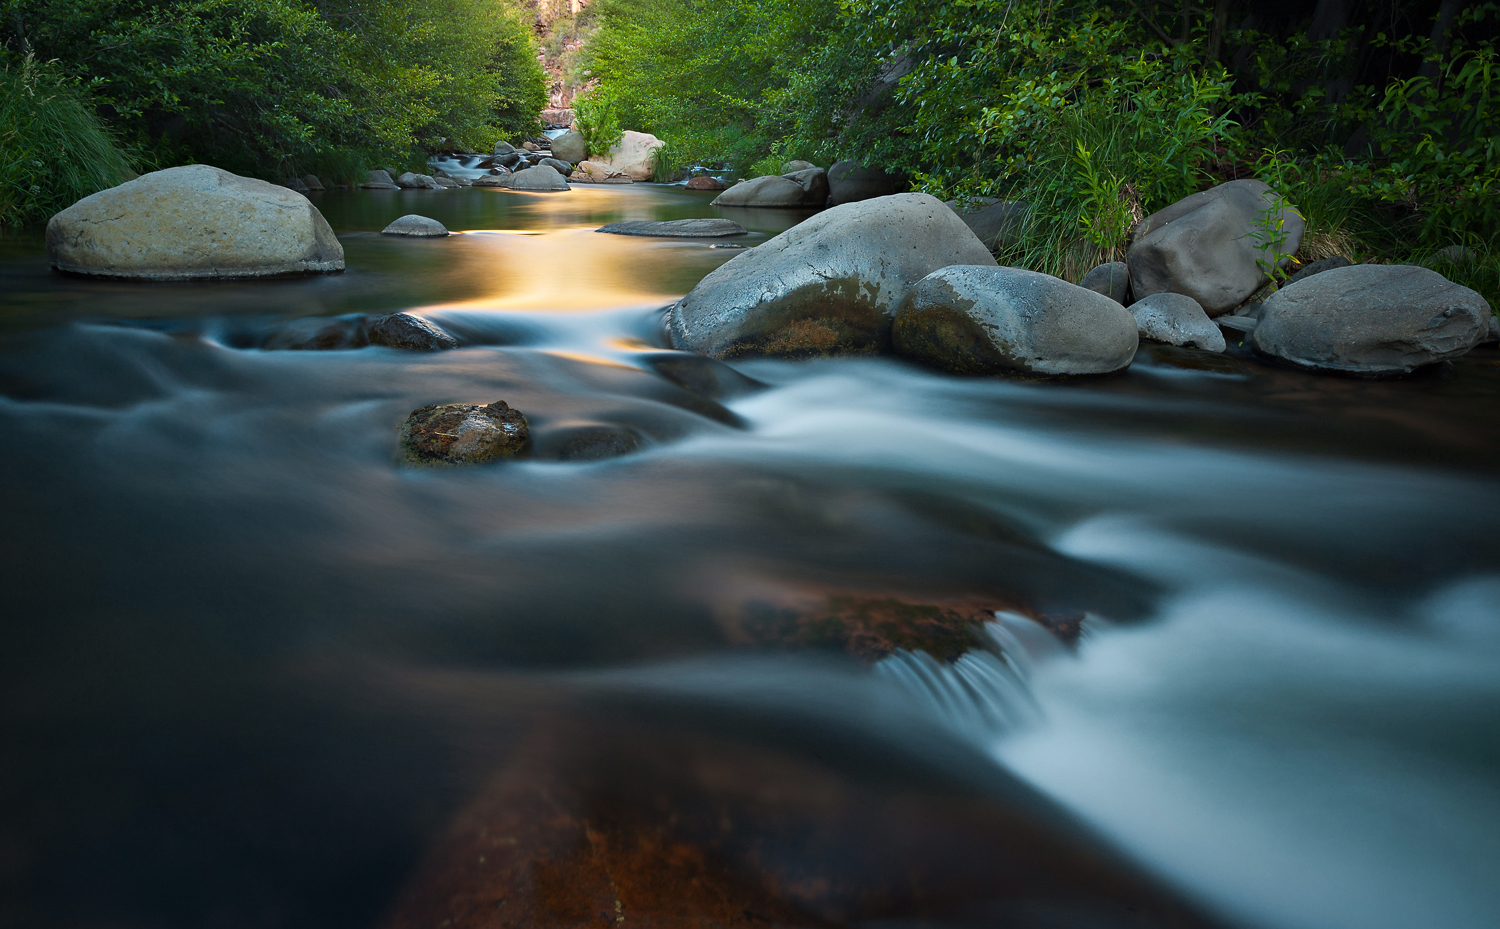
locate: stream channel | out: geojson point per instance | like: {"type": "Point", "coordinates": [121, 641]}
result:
{"type": "Point", "coordinates": [254, 672]}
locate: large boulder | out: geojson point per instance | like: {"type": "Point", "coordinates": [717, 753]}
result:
{"type": "Point", "coordinates": [191, 223]}
{"type": "Point", "coordinates": [413, 181]}
{"type": "Point", "coordinates": [805, 189]}
{"type": "Point", "coordinates": [1176, 320]}
{"type": "Point", "coordinates": [997, 223]}
{"type": "Point", "coordinates": [557, 164]}
{"type": "Point", "coordinates": [570, 147]}
{"type": "Point", "coordinates": [634, 156]}
{"type": "Point", "coordinates": [1371, 320]}
{"type": "Point", "coordinates": [1214, 246]}
{"type": "Point", "coordinates": [597, 173]}
{"type": "Point", "coordinates": [378, 180]}
{"type": "Point", "coordinates": [993, 320]}
{"type": "Point", "coordinates": [539, 178]}
{"type": "Point", "coordinates": [827, 286]}
{"type": "Point", "coordinates": [851, 182]}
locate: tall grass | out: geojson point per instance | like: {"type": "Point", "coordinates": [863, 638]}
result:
{"type": "Point", "coordinates": [53, 149]}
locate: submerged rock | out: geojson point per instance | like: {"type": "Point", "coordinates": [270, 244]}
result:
{"type": "Point", "coordinates": [1371, 320]}
{"type": "Point", "coordinates": [685, 228]}
{"type": "Point", "coordinates": [991, 320]}
{"type": "Point", "coordinates": [1176, 320]}
{"type": "Point", "coordinates": [418, 226]}
{"type": "Point", "coordinates": [191, 223]}
{"type": "Point", "coordinates": [413, 333]}
{"type": "Point", "coordinates": [587, 442]}
{"type": "Point", "coordinates": [827, 286]}
{"type": "Point", "coordinates": [319, 334]}
{"type": "Point", "coordinates": [1212, 245]}
{"type": "Point", "coordinates": [463, 433]}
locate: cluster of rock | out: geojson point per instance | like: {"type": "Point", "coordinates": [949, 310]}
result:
{"type": "Point", "coordinates": [403, 331]}
{"type": "Point", "coordinates": [909, 274]}
{"type": "Point", "coordinates": [803, 185]}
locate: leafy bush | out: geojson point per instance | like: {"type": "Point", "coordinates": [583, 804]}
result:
{"type": "Point", "coordinates": [53, 149]}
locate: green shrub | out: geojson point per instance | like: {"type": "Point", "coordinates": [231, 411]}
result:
{"type": "Point", "coordinates": [53, 149]}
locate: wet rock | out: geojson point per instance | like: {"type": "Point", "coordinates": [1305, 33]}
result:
{"type": "Point", "coordinates": [539, 178]}
{"type": "Point", "coordinates": [463, 433]}
{"type": "Point", "coordinates": [312, 182]}
{"type": "Point", "coordinates": [1210, 247]}
{"type": "Point", "coordinates": [378, 180]}
{"type": "Point", "coordinates": [1318, 267]}
{"type": "Point", "coordinates": [801, 190]}
{"type": "Point", "coordinates": [418, 226]}
{"type": "Point", "coordinates": [704, 183]}
{"type": "Point", "coordinates": [297, 184]}
{"type": "Point", "coordinates": [827, 286]}
{"type": "Point", "coordinates": [997, 223]}
{"type": "Point", "coordinates": [319, 334]}
{"type": "Point", "coordinates": [686, 228]}
{"type": "Point", "coordinates": [412, 333]}
{"type": "Point", "coordinates": [570, 147]}
{"type": "Point", "coordinates": [991, 320]}
{"type": "Point", "coordinates": [706, 377]}
{"type": "Point", "coordinates": [1371, 320]}
{"type": "Point", "coordinates": [191, 223]}
{"type": "Point", "coordinates": [413, 181]}
{"type": "Point", "coordinates": [851, 182]}
{"type": "Point", "coordinates": [587, 442]}
{"type": "Point", "coordinates": [634, 156]}
{"type": "Point", "coordinates": [1176, 320]}
{"type": "Point", "coordinates": [1111, 279]}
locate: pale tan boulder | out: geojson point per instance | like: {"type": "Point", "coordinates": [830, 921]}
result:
{"type": "Point", "coordinates": [190, 223]}
{"type": "Point", "coordinates": [633, 156]}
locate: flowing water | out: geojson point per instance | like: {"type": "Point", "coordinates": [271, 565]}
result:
{"type": "Point", "coordinates": [251, 668]}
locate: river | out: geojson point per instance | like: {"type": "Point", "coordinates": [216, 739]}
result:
{"type": "Point", "coordinates": [255, 673]}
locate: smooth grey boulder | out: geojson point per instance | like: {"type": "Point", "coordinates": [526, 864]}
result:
{"type": "Point", "coordinates": [191, 223]}
{"type": "Point", "coordinates": [851, 182]}
{"type": "Point", "coordinates": [802, 190]}
{"type": "Point", "coordinates": [378, 180]}
{"type": "Point", "coordinates": [446, 182]}
{"type": "Point", "coordinates": [503, 148]}
{"type": "Point", "coordinates": [312, 182]}
{"type": "Point", "coordinates": [1212, 246]}
{"type": "Point", "coordinates": [570, 147]}
{"type": "Point", "coordinates": [418, 226]}
{"type": "Point", "coordinates": [997, 223]}
{"type": "Point", "coordinates": [993, 320]}
{"type": "Point", "coordinates": [1111, 279]}
{"type": "Point", "coordinates": [500, 179]}
{"type": "Point", "coordinates": [828, 286]}
{"type": "Point", "coordinates": [795, 165]}
{"type": "Point", "coordinates": [688, 228]}
{"type": "Point", "coordinates": [1176, 320]}
{"type": "Point", "coordinates": [1318, 267]}
{"type": "Point", "coordinates": [413, 333]}
{"type": "Point", "coordinates": [413, 181]}
{"type": "Point", "coordinates": [539, 178]}
{"type": "Point", "coordinates": [558, 165]}
{"type": "Point", "coordinates": [1371, 320]}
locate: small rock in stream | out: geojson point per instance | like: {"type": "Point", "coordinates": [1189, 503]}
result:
{"type": "Point", "coordinates": [416, 226]}
{"type": "Point", "coordinates": [413, 333]}
{"type": "Point", "coordinates": [684, 228]}
{"type": "Point", "coordinates": [463, 433]}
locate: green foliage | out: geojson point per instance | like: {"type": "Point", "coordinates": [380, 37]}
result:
{"type": "Point", "coordinates": [274, 87]}
{"type": "Point", "coordinates": [598, 123]}
{"type": "Point", "coordinates": [53, 149]}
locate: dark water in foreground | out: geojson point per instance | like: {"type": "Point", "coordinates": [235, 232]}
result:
{"type": "Point", "coordinates": [251, 670]}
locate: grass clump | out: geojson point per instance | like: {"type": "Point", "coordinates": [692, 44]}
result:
{"type": "Point", "coordinates": [53, 148]}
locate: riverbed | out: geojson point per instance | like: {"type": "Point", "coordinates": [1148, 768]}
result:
{"type": "Point", "coordinates": [253, 670]}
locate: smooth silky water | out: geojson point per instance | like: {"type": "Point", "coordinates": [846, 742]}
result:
{"type": "Point", "coordinates": [251, 668]}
